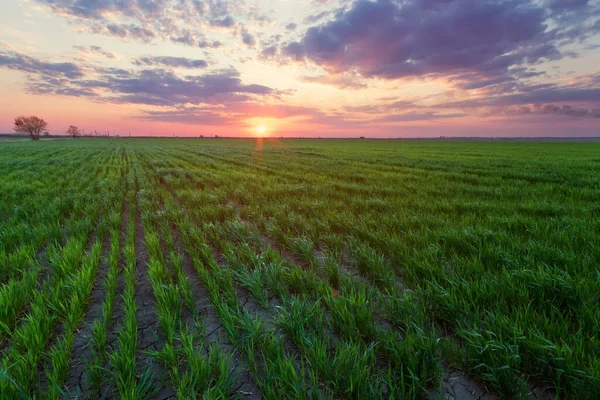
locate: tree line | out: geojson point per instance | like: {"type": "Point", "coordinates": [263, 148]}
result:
{"type": "Point", "coordinates": [36, 126]}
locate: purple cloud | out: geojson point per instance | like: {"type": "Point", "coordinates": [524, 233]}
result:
{"type": "Point", "coordinates": [149, 20]}
{"type": "Point", "coordinates": [192, 116]}
{"type": "Point", "coordinates": [269, 51]}
{"type": "Point", "coordinates": [545, 109]}
{"type": "Point", "coordinates": [311, 19]}
{"type": "Point", "coordinates": [31, 65]}
{"type": "Point", "coordinates": [94, 9]}
{"type": "Point", "coordinates": [225, 22]}
{"type": "Point", "coordinates": [95, 50]}
{"type": "Point", "coordinates": [157, 87]}
{"type": "Point", "coordinates": [248, 39]}
{"type": "Point", "coordinates": [123, 31]}
{"type": "Point", "coordinates": [164, 87]}
{"type": "Point", "coordinates": [233, 114]}
{"type": "Point", "coordinates": [175, 62]}
{"type": "Point", "coordinates": [346, 81]}
{"type": "Point", "coordinates": [539, 94]}
{"type": "Point", "coordinates": [476, 43]}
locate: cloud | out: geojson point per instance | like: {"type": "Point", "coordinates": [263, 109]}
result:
{"type": "Point", "coordinates": [191, 38]}
{"type": "Point", "coordinates": [150, 86]}
{"type": "Point", "coordinates": [31, 65]}
{"type": "Point", "coordinates": [311, 19]}
{"type": "Point", "coordinates": [566, 5]}
{"type": "Point", "coordinates": [537, 94]}
{"type": "Point", "coordinates": [291, 26]}
{"type": "Point", "coordinates": [95, 9]}
{"type": "Point", "coordinates": [175, 62]}
{"type": "Point", "coordinates": [194, 116]}
{"type": "Point", "coordinates": [411, 117]}
{"type": "Point", "coordinates": [233, 114]}
{"type": "Point", "coordinates": [159, 87]}
{"type": "Point", "coordinates": [124, 31]}
{"type": "Point", "coordinates": [579, 98]}
{"type": "Point", "coordinates": [569, 110]}
{"type": "Point", "coordinates": [248, 39]}
{"type": "Point", "coordinates": [390, 108]}
{"type": "Point", "coordinates": [346, 81]}
{"type": "Point", "coordinates": [269, 52]}
{"type": "Point", "coordinates": [95, 50]}
{"type": "Point", "coordinates": [178, 21]}
{"type": "Point", "coordinates": [545, 109]}
{"type": "Point", "coordinates": [226, 22]}
{"type": "Point", "coordinates": [163, 87]}
{"type": "Point", "coordinates": [467, 40]}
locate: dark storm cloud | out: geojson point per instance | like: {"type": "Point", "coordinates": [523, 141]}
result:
{"type": "Point", "coordinates": [175, 62]}
{"type": "Point", "coordinates": [31, 65]}
{"type": "Point", "coordinates": [479, 42]}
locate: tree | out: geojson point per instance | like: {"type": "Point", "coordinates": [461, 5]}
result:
{"type": "Point", "coordinates": [32, 126]}
{"type": "Point", "coordinates": [73, 131]}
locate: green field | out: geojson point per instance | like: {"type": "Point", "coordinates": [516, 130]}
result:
{"type": "Point", "coordinates": [155, 268]}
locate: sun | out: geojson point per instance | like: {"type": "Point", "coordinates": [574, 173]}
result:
{"type": "Point", "coordinates": [261, 129]}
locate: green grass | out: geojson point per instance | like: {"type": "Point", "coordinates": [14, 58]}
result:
{"type": "Point", "coordinates": [333, 268]}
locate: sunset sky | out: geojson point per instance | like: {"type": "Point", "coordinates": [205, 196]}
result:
{"type": "Point", "coordinates": [413, 68]}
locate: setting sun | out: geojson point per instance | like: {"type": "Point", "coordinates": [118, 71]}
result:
{"type": "Point", "coordinates": [261, 129]}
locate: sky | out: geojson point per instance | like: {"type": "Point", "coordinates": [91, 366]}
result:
{"type": "Point", "coordinates": [311, 68]}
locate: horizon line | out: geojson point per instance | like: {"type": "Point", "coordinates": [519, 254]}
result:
{"type": "Point", "coordinates": [440, 138]}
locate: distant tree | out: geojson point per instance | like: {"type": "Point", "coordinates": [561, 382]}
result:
{"type": "Point", "coordinates": [73, 131]}
{"type": "Point", "coordinates": [32, 126]}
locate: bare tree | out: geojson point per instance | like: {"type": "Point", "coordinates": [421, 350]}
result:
{"type": "Point", "coordinates": [73, 131]}
{"type": "Point", "coordinates": [32, 126]}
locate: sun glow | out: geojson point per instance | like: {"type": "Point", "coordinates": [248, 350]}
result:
{"type": "Point", "coordinates": [261, 129]}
